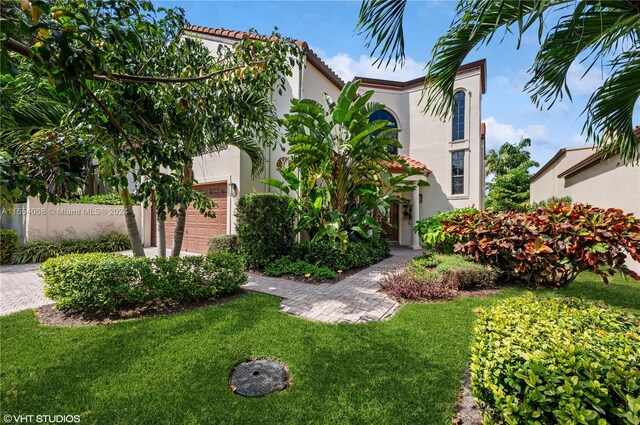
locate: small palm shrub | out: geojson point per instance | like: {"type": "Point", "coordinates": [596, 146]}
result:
{"type": "Point", "coordinates": [8, 242]}
{"type": "Point", "coordinates": [38, 251]}
{"type": "Point", "coordinates": [556, 361]}
{"type": "Point", "coordinates": [551, 245]}
{"type": "Point", "coordinates": [264, 227]}
{"type": "Point", "coordinates": [105, 283]}
{"type": "Point", "coordinates": [431, 230]}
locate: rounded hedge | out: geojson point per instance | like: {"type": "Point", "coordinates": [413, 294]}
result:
{"type": "Point", "coordinates": [8, 242]}
{"type": "Point", "coordinates": [556, 360]}
{"type": "Point", "coordinates": [104, 283]}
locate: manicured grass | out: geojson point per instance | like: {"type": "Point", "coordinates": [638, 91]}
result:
{"type": "Point", "coordinates": [175, 369]}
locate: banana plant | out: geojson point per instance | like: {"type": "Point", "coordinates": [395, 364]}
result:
{"type": "Point", "coordinates": [339, 167]}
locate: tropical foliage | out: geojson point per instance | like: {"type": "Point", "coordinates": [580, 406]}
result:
{"type": "Point", "coordinates": [359, 253]}
{"type": "Point", "coordinates": [552, 245]}
{"type": "Point", "coordinates": [431, 230]}
{"type": "Point", "coordinates": [564, 360]}
{"type": "Point", "coordinates": [509, 168]}
{"type": "Point", "coordinates": [600, 33]}
{"type": "Point", "coordinates": [339, 165]}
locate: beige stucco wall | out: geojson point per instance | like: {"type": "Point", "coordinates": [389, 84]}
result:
{"type": "Point", "coordinates": [546, 184]}
{"type": "Point", "coordinates": [49, 221]}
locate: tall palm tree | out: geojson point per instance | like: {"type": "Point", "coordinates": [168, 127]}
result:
{"type": "Point", "coordinates": [600, 32]}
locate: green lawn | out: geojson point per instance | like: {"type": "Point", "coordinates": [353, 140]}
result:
{"type": "Point", "coordinates": [175, 369]}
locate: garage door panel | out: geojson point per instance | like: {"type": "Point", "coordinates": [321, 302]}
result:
{"type": "Point", "coordinates": [198, 228]}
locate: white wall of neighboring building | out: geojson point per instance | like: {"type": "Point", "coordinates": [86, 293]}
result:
{"type": "Point", "coordinates": [545, 182]}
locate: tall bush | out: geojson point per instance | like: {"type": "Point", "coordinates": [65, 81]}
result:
{"type": "Point", "coordinates": [8, 241]}
{"type": "Point", "coordinates": [431, 230]}
{"type": "Point", "coordinates": [551, 245]}
{"type": "Point", "coordinates": [264, 227]}
{"type": "Point", "coordinates": [556, 361]}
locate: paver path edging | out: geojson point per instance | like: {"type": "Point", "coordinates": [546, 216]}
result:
{"type": "Point", "coordinates": [355, 299]}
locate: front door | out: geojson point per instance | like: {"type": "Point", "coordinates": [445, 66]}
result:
{"type": "Point", "coordinates": [392, 224]}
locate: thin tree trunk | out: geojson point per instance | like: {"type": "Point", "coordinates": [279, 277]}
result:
{"type": "Point", "coordinates": [132, 225]}
{"type": "Point", "coordinates": [162, 239]}
{"type": "Point", "coordinates": [178, 234]}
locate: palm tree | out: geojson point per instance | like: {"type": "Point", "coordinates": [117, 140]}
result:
{"type": "Point", "coordinates": [603, 32]}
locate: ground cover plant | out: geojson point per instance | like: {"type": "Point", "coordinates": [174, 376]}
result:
{"type": "Point", "coordinates": [559, 360]}
{"type": "Point", "coordinates": [553, 244]}
{"type": "Point", "coordinates": [39, 250]}
{"type": "Point", "coordinates": [166, 370]}
{"type": "Point", "coordinates": [287, 266]}
{"type": "Point", "coordinates": [436, 277]}
{"type": "Point", "coordinates": [105, 283]}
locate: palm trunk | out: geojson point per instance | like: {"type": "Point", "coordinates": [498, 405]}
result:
{"type": "Point", "coordinates": [162, 239]}
{"type": "Point", "coordinates": [132, 225]}
{"type": "Point", "coordinates": [178, 234]}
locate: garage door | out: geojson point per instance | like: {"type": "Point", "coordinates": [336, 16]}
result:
{"type": "Point", "coordinates": [199, 229]}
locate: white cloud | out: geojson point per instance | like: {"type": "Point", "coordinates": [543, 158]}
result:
{"type": "Point", "coordinates": [499, 133]}
{"type": "Point", "coordinates": [347, 68]}
{"type": "Point", "coordinates": [578, 139]}
{"type": "Point", "coordinates": [581, 83]}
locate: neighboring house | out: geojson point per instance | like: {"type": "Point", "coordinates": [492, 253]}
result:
{"type": "Point", "coordinates": [451, 153]}
{"type": "Point", "coordinates": [586, 177]}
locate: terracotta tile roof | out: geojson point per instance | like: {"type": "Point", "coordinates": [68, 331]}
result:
{"type": "Point", "coordinates": [312, 57]}
{"type": "Point", "coordinates": [397, 166]}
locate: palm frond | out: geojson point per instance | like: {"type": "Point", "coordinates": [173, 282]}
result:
{"type": "Point", "coordinates": [381, 21]}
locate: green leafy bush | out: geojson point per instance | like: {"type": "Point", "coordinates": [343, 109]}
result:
{"type": "Point", "coordinates": [287, 266]}
{"type": "Point", "coordinates": [431, 230]}
{"type": "Point", "coordinates": [358, 254]}
{"type": "Point", "coordinates": [264, 227]}
{"type": "Point", "coordinates": [224, 243]}
{"type": "Point", "coordinates": [551, 245]}
{"type": "Point", "coordinates": [8, 242]}
{"type": "Point", "coordinates": [104, 283]}
{"type": "Point", "coordinates": [38, 251]}
{"type": "Point", "coordinates": [112, 198]}
{"type": "Point", "coordinates": [547, 202]}
{"type": "Point", "coordinates": [556, 361]}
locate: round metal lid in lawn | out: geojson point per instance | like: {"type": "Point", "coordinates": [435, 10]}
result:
{"type": "Point", "coordinates": [259, 377]}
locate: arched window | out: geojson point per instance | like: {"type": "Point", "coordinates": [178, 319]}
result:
{"type": "Point", "coordinates": [458, 116]}
{"type": "Point", "coordinates": [385, 115]}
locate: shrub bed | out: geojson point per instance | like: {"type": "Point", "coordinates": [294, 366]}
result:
{"type": "Point", "coordinates": [38, 251]}
{"type": "Point", "coordinates": [552, 245]}
{"type": "Point", "coordinates": [438, 277]}
{"type": "Point", "coordinates": [554, 360]}
{"type": "Point", "coordinates": [358, 254]}
{"type": "Point", "coordinates": [112, 198]}
{"type": "Point", "coordinates": [224, 243]}
{"type": "Point", "coordinates": [105, 283]}
{"type": "Point", "coordinates": [287, 266]}
{"type": "Point", "coordinates": [431, 230]}
{"type": "Point", "coordinates": [264, 227]}
{"type": "Point", "coordinates": [8, 242]}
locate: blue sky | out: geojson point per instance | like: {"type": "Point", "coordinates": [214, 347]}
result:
{"type": "Point", "coordinates": [328, 27]}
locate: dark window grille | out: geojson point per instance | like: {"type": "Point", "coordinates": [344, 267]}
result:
{"type": "Point", "coordinates": [457, 173]}
{"type": "Point", "coordinates": [458, 116]}
{"type": "Point", "coordinates": [384, 115]}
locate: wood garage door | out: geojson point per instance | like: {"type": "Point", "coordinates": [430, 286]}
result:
{"type": "Point", "coordinates": [199, 229]}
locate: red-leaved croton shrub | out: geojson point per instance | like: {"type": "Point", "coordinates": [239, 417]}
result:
{"type": "Point", "coordinates": [551, 245]}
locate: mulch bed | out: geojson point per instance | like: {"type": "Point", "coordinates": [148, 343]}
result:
{"type": "Point", "coordinates": [50, 315]}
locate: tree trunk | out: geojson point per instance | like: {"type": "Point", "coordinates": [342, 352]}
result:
{"type": "Point", "coordinates": [162, 239]}
{"type": "Point", "coordinates": [132, 225]}
{"type": "Point", "coordinates": [178, 234]}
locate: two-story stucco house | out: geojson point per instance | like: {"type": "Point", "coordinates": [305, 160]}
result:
{"type": "Point", "coordinates": [450, 153]}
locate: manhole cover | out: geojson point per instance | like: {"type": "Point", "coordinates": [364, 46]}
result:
{"type": "Point", "coordinates": [259, 377]}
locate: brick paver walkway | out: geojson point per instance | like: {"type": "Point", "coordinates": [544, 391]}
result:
{"type": "Point", "coordinates": [355, 299]}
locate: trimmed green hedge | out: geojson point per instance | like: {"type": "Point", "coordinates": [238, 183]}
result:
{"type": "Point", "coordinates": [105, 283]}
{"type": "Point", "coordinates": [40, 250]}
{"type": "Point", "coordinates": [8, 242]}
{"type": "Point", "coordinates": [112, 198]}
{"type": "Point", "coordinates": [359, 253]}
{"type": "Point", "coordinates": [224, 243]}
{"type": "Point", "coordinates": [264, 227]}
{"type": "Point", "coordinates": [557, 361]}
